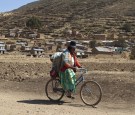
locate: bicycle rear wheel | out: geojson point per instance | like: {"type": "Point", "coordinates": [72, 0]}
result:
{"type": "Point", "coordinates": [91, 93]}
{"type": "Point", "coordinates": [53, 90]}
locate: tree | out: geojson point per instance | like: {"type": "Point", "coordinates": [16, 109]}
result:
{"type": "Point", "coordinates": [33, 23]}
{"type": "Point", "coordinates": [92, 43]}
{"type": "Point", "coordinates": [127, 27]}
{"type": "Point", "coordinates": [120, 43]}
{"type": "Point", "coordinates": [132, 55]}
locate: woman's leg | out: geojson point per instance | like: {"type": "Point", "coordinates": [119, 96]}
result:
{"type": "Point", "coordinates": [68, 80]}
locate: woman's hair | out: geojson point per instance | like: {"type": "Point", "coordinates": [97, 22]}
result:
{"type": "Point", "coordinates": [69, 48]}
{"type": "Point", "coordinates": [50, 55]}
{"type": "Point", "coordinates": [72, 45]}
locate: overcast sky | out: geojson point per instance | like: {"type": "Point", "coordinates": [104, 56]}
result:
{"type": "Point", "coordinates": [8, 5]}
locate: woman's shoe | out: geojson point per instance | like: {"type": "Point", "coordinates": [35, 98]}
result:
{"type": "Point", "coordinates": [69, 95]}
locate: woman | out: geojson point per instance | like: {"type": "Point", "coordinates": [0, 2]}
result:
{"type": "Point", "coordinates": [67, 71]}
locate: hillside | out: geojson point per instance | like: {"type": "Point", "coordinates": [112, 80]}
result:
{"type": "Point", "coordinates": [87, 16]}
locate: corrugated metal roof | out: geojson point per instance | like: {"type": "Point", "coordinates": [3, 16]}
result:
{"type": "Point", "coordinates": [49, 43]}
{"type": "Point", "coordinates": [2, 42]}
{"type": "Point", "coordinates": [86, 41]}
{"type": "Point", "coordinates": [2, 49]}
{"type": "Point", "coordinates": [2, 45]}
{"type": "Point", "coordinates": [35, 49]}
{"type": "Point", "coordinates": [104, 49]}
{"type": "Point", "coordinates": [78, 50]}
{"type": "Point", "coordinates": [107, 41]}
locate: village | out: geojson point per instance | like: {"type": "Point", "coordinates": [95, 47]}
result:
{"type": "Point", "coordinates": [34, 44]}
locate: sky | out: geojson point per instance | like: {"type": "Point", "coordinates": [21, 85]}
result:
{"type": "Point", "coordinates": [8, 5]}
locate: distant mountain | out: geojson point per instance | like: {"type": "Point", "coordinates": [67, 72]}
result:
{"type": "Point", "coordinates": [96, 8]}
{"type": "Point", "coordinates": [86, 16]}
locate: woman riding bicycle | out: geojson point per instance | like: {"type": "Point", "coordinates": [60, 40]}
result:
{"type": "Point", "coordinates": [67, 71]}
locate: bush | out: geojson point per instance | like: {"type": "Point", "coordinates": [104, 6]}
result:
{"type": "Point", "coordinates": [92, 44]}
{"type": "Point", "coordinates": [132, 55]}
{"type": "Point", "coordinates": [127, 27]}
{"type": "Point", "coordinates": [120, 43]}
{"type": "Point", "coordinates": [33, 23]}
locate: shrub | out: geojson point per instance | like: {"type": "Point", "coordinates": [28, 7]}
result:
{"type": "Point", "coordinates": [33, 23]}
{"type": "Point", "coordinates": [92, 43]}
{"type": "Point", "coordinates": [127, 27]}
{"type": "Point", "coordinates": [132, 55]}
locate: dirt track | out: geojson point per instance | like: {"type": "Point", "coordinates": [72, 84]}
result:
{"type": "Point", "coordinates": [22, 88]}
{"type": "Point", "coordinates": [27, 98]}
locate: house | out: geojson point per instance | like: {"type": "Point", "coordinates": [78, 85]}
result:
{"type": "Point", "coordinates": [20, 43]}
{"type": "Point", "coordinates": [2, 48]}
{"type": "Point", "coordinates": [86, 43]}
{"type": "Point", "coordinates": [59, 41]}
{"type": "Point", "coordinates": [50, 46]}
{"type": "Point", "coordinates": [29, 34]}
{"type": "Point", "coordinates": [15, 32]}
{"type": "Point", "coordinates": [10, 46]}
{"type": "Point", "coordinates": [112, 36]}
{"type": "Point", "coordinates": [99, 36]}
{"type": "Point", "coordinates": [33, 35]}
{"type": "Point", "coordinates": [121, 49]}
{"type": "Point", "coordinates": [103, 50]}
{"type": "Point", "coordinates": [37, 51]}
{"type": "Point", "coordinates": [49, 43]}
{"type": "Point", "coordinates": [81, 53]}
{"type": "Point", "coordinates": [81, 47]}
{"type": "Point", "coordinates": [108, 43]}
{"type": "Point", "coordinates": [26, 48]}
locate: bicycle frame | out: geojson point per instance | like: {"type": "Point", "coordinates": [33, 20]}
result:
{"type": "Point", "coordinates": [80, 79]}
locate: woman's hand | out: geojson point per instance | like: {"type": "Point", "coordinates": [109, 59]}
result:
{"type": "Point", "coordinates": [73, 68]}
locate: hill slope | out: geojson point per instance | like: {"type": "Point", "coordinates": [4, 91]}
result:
{"type": "Point", "coordinates": [96, 8]}
{"type": "Point", "coordinates": [87, 16]}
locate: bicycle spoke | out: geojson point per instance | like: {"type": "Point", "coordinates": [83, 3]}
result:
{"type": "Point", "coordinates": [90, 93]}
{"type": "Point", "coordinates": [53, 90]}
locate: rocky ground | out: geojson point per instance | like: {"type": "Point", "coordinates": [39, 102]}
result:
{"type": "Point", "coordinates": [22, 81]}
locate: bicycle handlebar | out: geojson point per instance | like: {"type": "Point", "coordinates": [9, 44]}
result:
{"type": "Point", "coordinates": [84, 70]}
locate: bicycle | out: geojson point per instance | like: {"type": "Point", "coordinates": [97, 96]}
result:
{"type": "Point", "coordinates": [90, 91]}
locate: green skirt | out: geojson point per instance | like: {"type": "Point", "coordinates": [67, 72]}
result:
{"type": "Point", "coordinates": [68, 80]}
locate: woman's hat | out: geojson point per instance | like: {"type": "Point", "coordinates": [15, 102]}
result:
{"type": "Point", "coordinates": [72, 44]}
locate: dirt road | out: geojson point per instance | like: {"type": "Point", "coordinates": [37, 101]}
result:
{"type": "Point", "coordinates": [28, 98]}
{"type": "Point", "coordinates": [22, 82]}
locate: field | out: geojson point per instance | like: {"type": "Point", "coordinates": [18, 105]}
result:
{"type": "Point", "coordinates": [22, 81]}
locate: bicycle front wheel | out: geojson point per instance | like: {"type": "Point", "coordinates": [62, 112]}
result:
{"type": "Point", "coordinates": [53, 90]}
{"type": "Point", "coordinates": [91, 93]}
